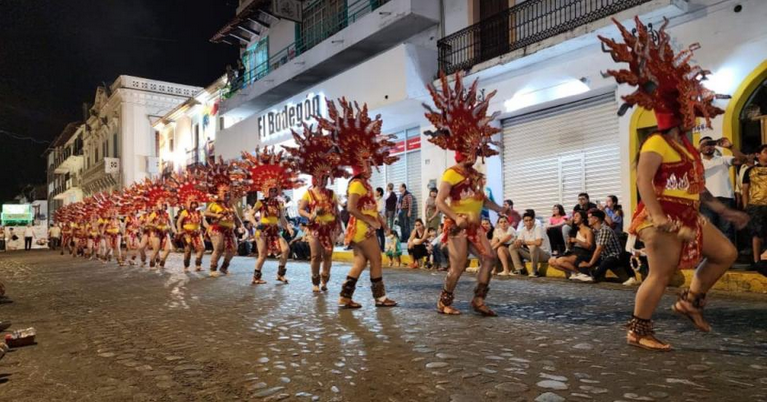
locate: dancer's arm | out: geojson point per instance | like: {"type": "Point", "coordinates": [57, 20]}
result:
{"type": "Point", "coordinates": [303, 209]}
{"type": "Point", "coordinates": [351, 206]}
{"type": "Point", "coordinates": [181, 218]}
{"type": "Point", "coordinates": [738, 218]}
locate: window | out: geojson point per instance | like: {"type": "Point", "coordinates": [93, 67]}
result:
{"type": "Point", "coordinates": [322, 18]}
{"type": "Point", "coordinates": [256, 60]}
{"type": "Point", "coordinates": [114, 145]}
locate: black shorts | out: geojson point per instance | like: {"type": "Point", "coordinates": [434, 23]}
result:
{"type": "Point", "coordinates": [757, 226]}
{"type": "Point", "coordinates": [581, 254]}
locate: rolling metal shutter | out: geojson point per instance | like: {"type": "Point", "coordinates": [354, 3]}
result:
{"type": "Point", "coordinates": [552, 155]}
{"type": "Point", "coordinates": [414, 180]}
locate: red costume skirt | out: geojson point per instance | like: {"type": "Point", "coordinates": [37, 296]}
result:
{"type": "Point", "coordinates": [683, 213]}
{"type": "Point", "coordinates": [324, 233]}
{"type": "Point", "coordinates": [472, 233]}
{"type": "Point", "coordinates": [228, 234]}
{"type": "Point", "coordinates": [272, 234]}
{"type": "Point", "coordinates": [194, 238]}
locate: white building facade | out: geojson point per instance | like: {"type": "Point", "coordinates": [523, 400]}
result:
{"type": "Point", "coordinates": [561, 132]}
{"type": "Point", "coordinates": [120, 146]}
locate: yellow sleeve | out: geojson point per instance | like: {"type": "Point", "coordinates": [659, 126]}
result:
{"type": "Point", "coordinates": [334, 200]}
{"type": "Point", "coordinates": [452, 177]}
{"type": "Point", "coordinates": [357, 188]}
{"type": "Point", "coordinates": [257, 206]}
{"type": "Point", "coordinates": [307, 197]}
{"type": "Point", "coordinates": [656, 143]}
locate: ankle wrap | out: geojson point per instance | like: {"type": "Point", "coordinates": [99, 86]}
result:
{"type": "Point", "coordinates": [446, 298]}
{"type": "Point", "coordinates": [348, 287]}
{"type": "Point", "coordinates": [481, 290]}
{"type": "Point", "coordinates": [377, 287]}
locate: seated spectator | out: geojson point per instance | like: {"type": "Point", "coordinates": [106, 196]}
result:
{"type": "Point", "coordinates": [512, 215]}
{"type": "Point", "coordinates": [554, 229]}
{"type": "Point", "coordinates": [536, 222]}
{"type": "Point", "coordinates": [393, 249]}
{"type": "Point", "coordinates": [440, 257]}
{"type": "Point", "coordinates": [581, 241]}
{"type": "Point", "coordinates": [299, 246]}
{"type": "Point", "coordinates": [608, 254]}
{"type": "Point", "coordinates": [503, 236]}
{"type": "Point", "coordinates": [532, 244]}
{"type": "Point", "coordinates": [244, 246]}
{"type": "Point", "coordinates": [584, 205]}
{"type": "Point", "coordinates": [416, 245]}
{"type": "Point", "coordinates": [613, 213]}
{"type": "Point", "coordinates": [431, 234]}
{"type": "Point", "coordinates": [487, 227]}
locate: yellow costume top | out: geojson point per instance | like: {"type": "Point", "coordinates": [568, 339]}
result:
{"type": "Point", "coordinates": [270, 213]}
{"type": "Point", "coordinates": [464, 198]}
{"type": "Point", "coordinates": [315, 198]}
{"type": "Point", "coordinates": [217, 208]}
{"type": "Point", "coordinates": [674, 187]}
{"type": "Point", "coordinates": [367, 205]}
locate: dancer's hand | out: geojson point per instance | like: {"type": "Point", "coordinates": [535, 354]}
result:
{"type": "Point", "coordinates": [738, 218]}
{"type": "Point", "coordinates": [663, 223]}
{"type": "Point", "coordinates": [374, 223]}
{"type": "Point", "coordinates": [461, 222]}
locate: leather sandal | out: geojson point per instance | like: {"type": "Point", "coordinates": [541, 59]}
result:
{"type": "Point", "coordinates": [691, 306]}
{"type": "Point", "coordinates": [346, 303]}
{"type": "Point", "coordinates": [256, 281]}
{"type": "Point", "coordinates": [444, 304]}
{"type": "Point", "coordinates": [386, 303]}
{"type": "Point", "coordinates": [483, 309]}
{"type": "Point", "coordinates": [641, 334]}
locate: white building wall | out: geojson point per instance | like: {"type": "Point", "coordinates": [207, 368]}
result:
{"type": "Point", "coordinates": [281, 35]}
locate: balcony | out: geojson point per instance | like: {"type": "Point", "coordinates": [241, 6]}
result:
{"type": "Point", "coordinates": [364, 28]}
{"type": "Point", "coordinates": [70, 188]}
{"type": "Point", "coordinates": [525, 28]}
{"type": "Point", "coordinates": [69, 160]}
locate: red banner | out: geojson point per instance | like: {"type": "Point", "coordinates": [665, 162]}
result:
{"type": "Point", "coordinates": [399, 147]}
{"type": "Point", "coordinates": [414, 144]}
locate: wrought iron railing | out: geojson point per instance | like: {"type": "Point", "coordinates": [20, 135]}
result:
{"type": "Point", "coordinates": [330, 25]}
{"type": "Point", "coordinates": [520, 26]}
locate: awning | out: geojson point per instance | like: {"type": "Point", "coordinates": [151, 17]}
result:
{"type": "Point", "coordinates": [248, 23]}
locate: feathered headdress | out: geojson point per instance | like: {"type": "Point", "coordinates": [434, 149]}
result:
{"type": "Point", "coordinates": [461, 119]}
{"type": "Point", "coordinates": [357, 136]}
{"type": "Point", "coordinates": [665, 81]}
{"type": "Point", "coordinates": [189, 186]}
{"type": "Point", "coordinates": [131, 200]}
{"type": "Point", "coordinates": [267, 169]}
{"type": "Point", "coordinates": [153, 192]}
{"type": "Point", "coordinates": [219, 174]}
{"type": "Point", "coordinates": [316, 154]}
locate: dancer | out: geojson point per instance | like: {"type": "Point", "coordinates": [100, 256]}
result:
{"type": "Point", "coordinates": [67, 236]}
{"type": "Point", "coordinates": [361, 146]}
{"type": "Point", "coordinates": [189, 221]}
{"type": "Point", "coordinates": [133, 234]}
{"type": "Point", "coordinates": [462, 126]}
{"type": "Point", "coordinates": [317, 156]}
{"type": "Point", "coordinates": [222, 217]}
{"type": "Point", "coordinates": [670, 179]}
{"type": "Point", "coordinates": [114, 231]}
{"type": "Point", "coordinates": [161, 225]}
{"type": "Point", "coordinates": [94, 235]}
{"type": "Point", "coordinates": [270, 174]}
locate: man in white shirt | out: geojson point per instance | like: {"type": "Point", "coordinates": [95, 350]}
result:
{"type": "Point", "coordinates": [718, 181]}
{"type": "Point", "coordinates": [532, 244]}
{"type": "Point", "coordinates": [54, 236]}
{"type": "Point", "coordinates": [29, 235]}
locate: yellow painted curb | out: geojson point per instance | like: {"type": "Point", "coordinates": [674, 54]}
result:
{"type": "Point", "coordinates": [732, 281]}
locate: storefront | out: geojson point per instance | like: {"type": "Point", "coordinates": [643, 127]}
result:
{"type": "Point", "coordinates": [552, 155]}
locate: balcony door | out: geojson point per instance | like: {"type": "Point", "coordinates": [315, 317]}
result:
{"type": "Point", "coordinates": [493, 29]}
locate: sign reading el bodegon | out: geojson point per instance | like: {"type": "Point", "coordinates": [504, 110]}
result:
{"type": "Point", "coordinates": [281, 120]}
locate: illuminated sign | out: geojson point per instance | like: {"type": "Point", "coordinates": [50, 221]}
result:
{"type": "Point", "coordinates": [291, 115]}
{"type": "Point", "coordinates": [17, 213]}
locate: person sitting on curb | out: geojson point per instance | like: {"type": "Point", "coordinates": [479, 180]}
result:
{"type": "Point", "coordinates": [532, 244]}
{"type": "Point", "coordinates": [608, 254]}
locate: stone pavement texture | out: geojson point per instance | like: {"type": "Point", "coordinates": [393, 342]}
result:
{"type": "Point", "coordinates": [114, 334]}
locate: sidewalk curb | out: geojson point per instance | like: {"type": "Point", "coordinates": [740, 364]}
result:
{"type": "Point", "coordinates": [736, 281]}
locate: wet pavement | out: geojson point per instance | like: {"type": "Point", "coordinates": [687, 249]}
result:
{"type": "Point", "coordinates": [112, 334]}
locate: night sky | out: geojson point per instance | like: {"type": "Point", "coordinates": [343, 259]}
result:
{"type": "Point", "coordinates": [54, 53]}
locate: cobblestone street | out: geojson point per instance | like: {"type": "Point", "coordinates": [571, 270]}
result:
{"type": "Point", "coordinates": [114, 334]}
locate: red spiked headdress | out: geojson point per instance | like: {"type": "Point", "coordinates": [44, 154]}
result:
{"type": "Point", "coordinates": [316, 154]}
{"type": "Point", "coordinates": [357, 136]}
{"type": "Point", "coordinates": [665, 81]}
{"type": "Point", "coordinates": [189, 187]}
{"type": "Point", "coordinates": [219, 174]}
{"type": "Point", "coordinates": [461, 119]}
{"type": "Point", "coordinates": [268, 170]}
{"type": "Point", "coordinates": [153, 192]}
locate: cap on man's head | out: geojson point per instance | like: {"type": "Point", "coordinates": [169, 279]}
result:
{"type": "Point", "coordinates": [704, 139]}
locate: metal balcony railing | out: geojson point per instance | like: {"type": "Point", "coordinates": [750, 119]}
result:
{"type": "Point", "coordinates": [330, 24]}
{"type": "Point", "coordinates": [520, 26]}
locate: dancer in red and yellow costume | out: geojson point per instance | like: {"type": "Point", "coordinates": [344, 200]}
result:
{"type": "Point", "coordinates": [361, 146]}
{"type": "Point", "coordinates": [317, 155]}
{"type": "Point", "coordinates": [129, 206]}
{"type": "Point", "coordinates": [670, 179]}
{"type": "Point", "coordinates": [113, 229]}
{"type": "Point", "coordinates": [159, 223]}
{"type": "Point", "coordinates": [190, 194]}
{"type": "Point", "coordinates": [221, 215]}
{"type": "Point", "coordinates": [270, 174]}
{"type": "Point", "coordinates": [462, 126]}
{"type": "Point", "coordinates": [63, 217]}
